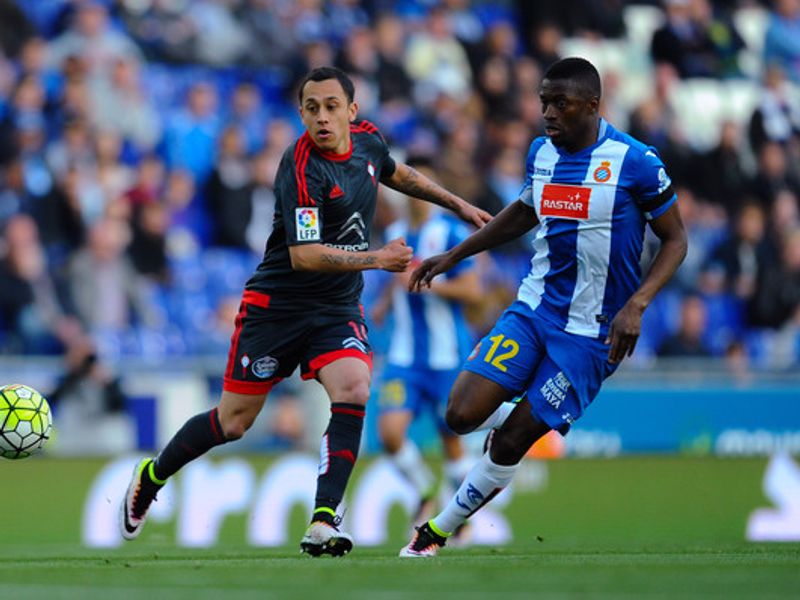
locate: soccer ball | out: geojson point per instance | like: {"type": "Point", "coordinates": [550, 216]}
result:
{"type": "Point", "coordinates": [25, 421]}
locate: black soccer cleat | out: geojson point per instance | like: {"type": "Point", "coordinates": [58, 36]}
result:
{"type": "Point", "coordinates": [425, 543]}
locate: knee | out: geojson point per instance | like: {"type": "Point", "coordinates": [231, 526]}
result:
{"type": "Point", "coordinates": [459, 419]}
{"type": "Point", "coordinates": [353, 392]}
{"type": "Point", "coordinates": [392, 440]}
{"type": "Point", "coordinates": [234, 426]}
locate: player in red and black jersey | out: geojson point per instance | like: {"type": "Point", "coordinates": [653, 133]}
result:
{"type": "Point", "coordinates": [301, 306]}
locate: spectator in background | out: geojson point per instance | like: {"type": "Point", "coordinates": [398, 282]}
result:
{"type": "Point", "coordinates": [777, 298]}
{"type": "Point", "coordinates": [188, 224]}
{"type": "Point", "coordinates": [725, 40]}
{"type": "Point", "coordinates": [74, 150]}
{"type": "Point", "coordinates": [92, 39]}
{"type": "Point", "coordinates": [59, 223]}
{"type": "Point", "coordinates": [264, 168]}
{"type": "Point", "coordinates": [436, 60]}
{"type": "Point", "coordinates": [148, 182]}
{"type": "Point", "coordinates": [229, 192]}
{"type": "Point", "coordinates": [270, 44]}
{"type": "Point", "coordinates": [101, 275]}
{"type": "Point", "coordinates": [773, 175]}
{"type": "Point", "coordinates": [15, 28]}
{"type": "Point", "coordinates": [358, 57]}
{"type": "Point", "coordinates": [744, 255]}
{"type": "Point", "coordinates": [545, 41]}
{"type": "Point", "coordinates": [688, 340]}
{"type": "Point", "coordinates": [785, 215]}
{"type": "Point", "coordinates": [220, 39]}
{"type": "Point", "coordinates": [30, 310]}
{"type": "Point", "coordinates": [394, 84]}
{"type": "Point", "coordinates": [120, 104]}
{"type": "Point", "coordinates": [777, 116]}
{"type": "Point", "coordinates": [191, 134]}
{"type": "Point", "coordinates": [114, 176]}
{"type": "Point", "coordinates": [165, 30]}
{"type": "Point", "coordinates": [33, 63]}
{"type": "Point", "coordinates": [684, 43]}
{"type": "Point", "coordinates": [655, 123]}
{"type": "Point", "coordinates": [719, 175]}
{"type": "Point", "coordinates": [90, 405]}
{"type": "Point", "coordinates": [148, 248]}
{"type": "Point", "coordinates": [782, 38]}
{"type": "Point", "coordinates": [246, 112]}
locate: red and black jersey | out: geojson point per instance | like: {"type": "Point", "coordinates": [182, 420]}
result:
{"type": "Point", "coordinates": [322, 198]}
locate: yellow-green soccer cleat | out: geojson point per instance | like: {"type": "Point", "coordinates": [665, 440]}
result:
{"type": "Point", "coordinates": [425, 543]}
{"type": "Point", "coordinates": [139, 496]}
{"type": "Point", "coordinates": [324, 538]}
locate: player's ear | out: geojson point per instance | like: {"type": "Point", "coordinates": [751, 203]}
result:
{"type": "Point", "coordinates": [352, 110]}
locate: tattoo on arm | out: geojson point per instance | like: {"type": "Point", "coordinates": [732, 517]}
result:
{"type": "Point", "coordinates": [415, 184]}
{"type": "Point", "coordinates": [349, 260]}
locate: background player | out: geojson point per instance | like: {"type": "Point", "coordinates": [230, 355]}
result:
{"type": "Point", "coordinates": [301, 306]}
{"type": "Point", "coordinates": [429, 341]}
{"type": "Point", "coordinates": [578, 313]}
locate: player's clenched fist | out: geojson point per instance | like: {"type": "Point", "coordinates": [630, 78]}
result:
{"type": "Point", "coordinates": [395, 255]}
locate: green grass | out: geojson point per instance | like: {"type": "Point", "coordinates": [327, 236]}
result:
{"type": "Point", "coordinates": [622, 528]}
{"type": "Point", "coordinates": [518, 571]}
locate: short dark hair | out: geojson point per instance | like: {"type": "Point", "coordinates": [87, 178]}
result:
{"type": "Point", "coordinates": [325, 73]}
{"type": "Point", "coordinates": [579, 70]}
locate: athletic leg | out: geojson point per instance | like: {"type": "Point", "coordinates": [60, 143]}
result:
{"type": "Point", "coordinates": [228, 421]}
{"type": "Point", "coordinates": [405, 456]}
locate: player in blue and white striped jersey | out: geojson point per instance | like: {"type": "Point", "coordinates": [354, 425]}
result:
{"type": "Point", "coordinates": [591, 190]}
{"type": "Point", "coordinates": [430, 340]}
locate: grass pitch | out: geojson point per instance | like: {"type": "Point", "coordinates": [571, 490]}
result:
{"type": "Point", "coordinates": [639, 527]}
{"type": "Point", "coordinates": [512, 572]}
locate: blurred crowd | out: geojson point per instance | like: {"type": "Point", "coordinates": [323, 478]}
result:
{"type": "Point", "coordinates": [140, 140]}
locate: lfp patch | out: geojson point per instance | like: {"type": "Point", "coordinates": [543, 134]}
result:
{"type": "Point", "coordinates": [307, 224]}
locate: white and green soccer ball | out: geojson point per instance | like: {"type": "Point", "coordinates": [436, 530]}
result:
{"type": "Point", "coordinates": [25, 421]}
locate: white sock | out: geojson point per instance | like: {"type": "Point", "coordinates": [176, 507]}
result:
{"type": "Point", "coordinates": [498, 417]}
{"type": "Point", "coordinates": [456, 470]}
{"type": "Point", "coordinates": [482, 482]}
{"type": "Point", "coordinates": [411, 465]}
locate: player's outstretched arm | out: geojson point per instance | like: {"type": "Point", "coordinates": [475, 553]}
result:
{"type": "Point", "coordinates": [394, 256]}
{"type": "Point", "coordinates": [626, 326]}
{"type": "Point", "coordinates": [510, 223]}
{"type": "Point", "coordinates": [413, 183]}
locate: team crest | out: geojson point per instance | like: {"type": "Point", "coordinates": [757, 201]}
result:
{"type": "Point", "coordinates": [371, 171]}
{"type": "Point", "coordinates": [265, 367]}
{"type": "Point", "coordinates": [307, 224]}
{"type": "Point", "coordinates": [603, 172]}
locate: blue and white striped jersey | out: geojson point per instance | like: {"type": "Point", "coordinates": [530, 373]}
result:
{"type": "Point", "coordinates": [593, 207]}
{"type": "Point", "coordinates": [429, 331]}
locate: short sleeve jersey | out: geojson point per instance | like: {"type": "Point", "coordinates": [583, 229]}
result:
{"type": "Point", "coordinates": [429, 331]}
{"type": "Point", "coordinates": [593, 207]}
{"type": "Point", "coordinates": [322, 198]}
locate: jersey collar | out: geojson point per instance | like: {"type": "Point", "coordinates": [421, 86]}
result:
{"type": "Point", "coordinates": [330, 155]}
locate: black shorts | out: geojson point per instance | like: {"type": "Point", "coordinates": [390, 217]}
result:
{"type": "Point", "coordinates": [268, 344]}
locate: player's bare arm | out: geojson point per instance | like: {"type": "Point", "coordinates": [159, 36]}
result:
{"type": "Point", "coordinates": [395, 256]}
{"type": "Point", "coordinates": [625, 328]}
{"type": "Point", "coordinates": [413, 183]}
{"type": "Point", "coordinates": [510, 223]}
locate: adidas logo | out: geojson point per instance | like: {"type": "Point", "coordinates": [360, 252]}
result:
{"type": "Point", "coordinates": [336, 192]}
